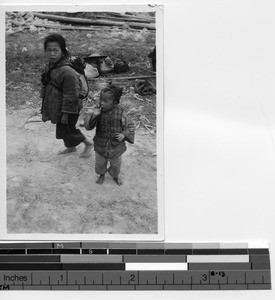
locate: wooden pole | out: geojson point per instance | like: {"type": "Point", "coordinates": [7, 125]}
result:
{"type": "Point", "coordinates": [124, 18]}
{"type": "Point", "coordinates": [125, 78]}
{"type": "Point", "coordinates": [64, 27]}
{"type": "Point", "coordinates": [130, 15]}
{"type": "Point", "coordinates": [93, 22]}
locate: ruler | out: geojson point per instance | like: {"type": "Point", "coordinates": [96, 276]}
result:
{"type": "Point", "coordinates": [134, 266]}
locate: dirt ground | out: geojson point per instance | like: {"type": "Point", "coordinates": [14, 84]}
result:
{"type": "Point", "coordinates": [50, 193]}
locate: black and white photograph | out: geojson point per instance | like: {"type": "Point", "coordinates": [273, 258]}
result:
{"type": "Point", "coordinates": [84, 115]}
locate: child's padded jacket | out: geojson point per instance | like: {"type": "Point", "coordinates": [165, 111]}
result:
{"type": "Point", "coordinates": [55, 100]}
{"type": "Point", "coordinates": [107, 125]}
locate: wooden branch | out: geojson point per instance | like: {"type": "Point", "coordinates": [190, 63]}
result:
{"type": "Point", "coordinates": [75, 20]}
{"type": "Point", "coordinates": [124, 18]}
{"type": "Point", "coordinates": [64, 27]}
{"type": "Point", "coordinates": [146, 70]}
{"type": "Point", "coordinates": [141, 25]}
{"type": "Point", "coordinates": [148, 19]}
{"type": "Point", "coordinates": [124, 78]}
{"type": "Point", "coordinates": [92, 22]}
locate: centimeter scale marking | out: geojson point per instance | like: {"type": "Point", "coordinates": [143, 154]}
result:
{"type": "Point", "coordinates": [134, 266]}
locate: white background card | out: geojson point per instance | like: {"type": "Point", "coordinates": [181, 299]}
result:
{"type": "Point", "coordinates": [219, 132]}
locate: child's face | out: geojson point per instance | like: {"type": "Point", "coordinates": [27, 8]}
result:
{"type": "Point", "coordinates": [53, 52]}
{"type": "Point", "coordinates": [106, 101]}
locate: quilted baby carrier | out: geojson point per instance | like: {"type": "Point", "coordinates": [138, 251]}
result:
{"type": "Point", "coordinates": [78, 64]}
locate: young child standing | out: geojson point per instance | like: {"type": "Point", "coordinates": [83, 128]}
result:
{"type": "Point", "coordinates": [60, 93]}
{"type": "Point", "coordinates": [113, 128]}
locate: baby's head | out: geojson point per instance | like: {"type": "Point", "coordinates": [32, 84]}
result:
{"type": "Point", "coordinates": [109, 97]}
{"type": "Point", "coordinates": [55, 47]}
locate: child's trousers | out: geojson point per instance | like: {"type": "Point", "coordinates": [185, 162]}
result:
{"type": "Point", "coordinates": [101, 165]}
{"type": "Point", "coordinates": [71, 136]}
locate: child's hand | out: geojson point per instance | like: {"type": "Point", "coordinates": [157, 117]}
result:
{"type": "Point", "coordinates": [45, 119]}
{"type": "Point", "coordinates": [120, 136]}
{"type": "Point", "coordinates": [64, 118]}
{"type": "Point", "coordinates": [97, 111]}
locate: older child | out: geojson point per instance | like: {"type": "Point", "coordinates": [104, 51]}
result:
{"type": "Point", "coordinates": [113, 128]}
{"type": "Point", "coordinates": [60, 93]}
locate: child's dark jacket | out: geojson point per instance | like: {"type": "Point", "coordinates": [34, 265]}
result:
{"type": "Point", "coordinates": [107, 125]}
{"type": "Point", "coordinates": [55, 100]}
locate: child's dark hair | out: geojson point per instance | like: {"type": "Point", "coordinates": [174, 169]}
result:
{"type": "Point", "coordinates": [58, 39]}
{"type": "Point", "coordinates": [115, 90]}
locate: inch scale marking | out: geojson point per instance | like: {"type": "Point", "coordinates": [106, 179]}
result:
{"type": "Point", "coordinates": [134, 266]}
{"type": "Point", "coordinates": [150, 280]}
